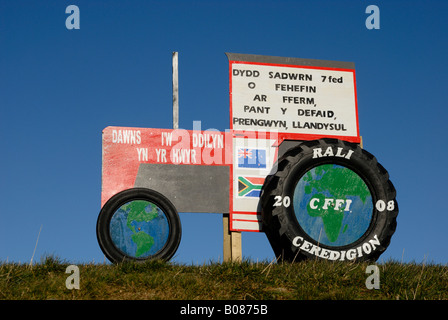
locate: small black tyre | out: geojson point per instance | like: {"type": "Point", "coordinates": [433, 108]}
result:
{"type": "Point", "coordinates": [329, 199]}
{"type": "Point", "coordinates": [138, 224]}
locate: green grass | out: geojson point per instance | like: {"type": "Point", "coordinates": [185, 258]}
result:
{"type": "Point", "coordinates": [310, 280]}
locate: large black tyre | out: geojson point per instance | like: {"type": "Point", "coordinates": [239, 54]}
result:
{"type": "Point", "coordinates": [138, 224]}
{"type": "Point", "coordinates": [329, 199]}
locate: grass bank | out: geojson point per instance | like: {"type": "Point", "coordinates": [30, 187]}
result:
{"type": "Point", "coordinates": [308, 280]}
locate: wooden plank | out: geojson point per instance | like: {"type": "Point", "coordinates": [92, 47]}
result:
{"type": "Point", "coordinates": [232, 250]}
{"type": "Point", "coordinates": [237, 254]}
{"type": "Point", "coordinates": [227, 240]}
{"type": "Point", "coordinates": [175, 91]}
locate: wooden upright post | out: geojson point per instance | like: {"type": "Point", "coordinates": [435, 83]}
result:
{"type": "Point", "coordinates": [231, 242]}
{"type": "Point", "coordinates": [175, 92]}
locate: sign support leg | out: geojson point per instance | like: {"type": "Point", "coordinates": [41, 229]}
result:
{"type": "Point", "coordinates": [231, 242]}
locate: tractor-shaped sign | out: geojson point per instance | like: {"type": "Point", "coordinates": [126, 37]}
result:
{"type": "Point", "coordinates": [290, 165]}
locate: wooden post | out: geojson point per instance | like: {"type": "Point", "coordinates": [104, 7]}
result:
{"type": "Point", "coordinates": [231, 242]}
{"type": "Point", "coordinates": [175, 92]}
{"type": "Point", "coordinates": [227, 240]}
{"type": "Point", "coordinates": [237, 252]}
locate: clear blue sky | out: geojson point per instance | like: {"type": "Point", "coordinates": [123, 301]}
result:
{"type": "Point", "coordinates": [59, 88]}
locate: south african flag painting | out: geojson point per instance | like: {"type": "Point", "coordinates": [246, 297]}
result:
{"type": "Point", "coordinates": [250, 186]}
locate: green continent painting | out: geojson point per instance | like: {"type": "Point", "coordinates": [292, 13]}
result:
{"type": "Point", "coordinates": [333, 205]}
{"type": "Point", "coordinates": [139, 229]}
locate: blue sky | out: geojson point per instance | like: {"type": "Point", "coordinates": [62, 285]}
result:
{"type": "Point", "coordinates": [59, 88]}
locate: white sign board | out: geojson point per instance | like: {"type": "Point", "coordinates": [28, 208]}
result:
{"type": "Point", "coordinates": [253, 160]}
{"type": "Point", "coordinates": [280, 99]}
{"type": "Point", "coordinates": [301, 99]}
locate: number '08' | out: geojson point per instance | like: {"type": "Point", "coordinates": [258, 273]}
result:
{"type": "Point", "coordinates": [381, 205]}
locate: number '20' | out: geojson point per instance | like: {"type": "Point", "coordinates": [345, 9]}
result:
{"type": "Point", "coordinates": [282, 201]}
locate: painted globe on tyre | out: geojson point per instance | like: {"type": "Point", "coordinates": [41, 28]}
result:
{"type": "Point", "coordinates": [333, 205]}
{"type": "Point", "coordinates": [138, 224]}
{"type": "Point", "coordinates": [139, 229]}
{"type": "Point", "coordinates": [329, 199]}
